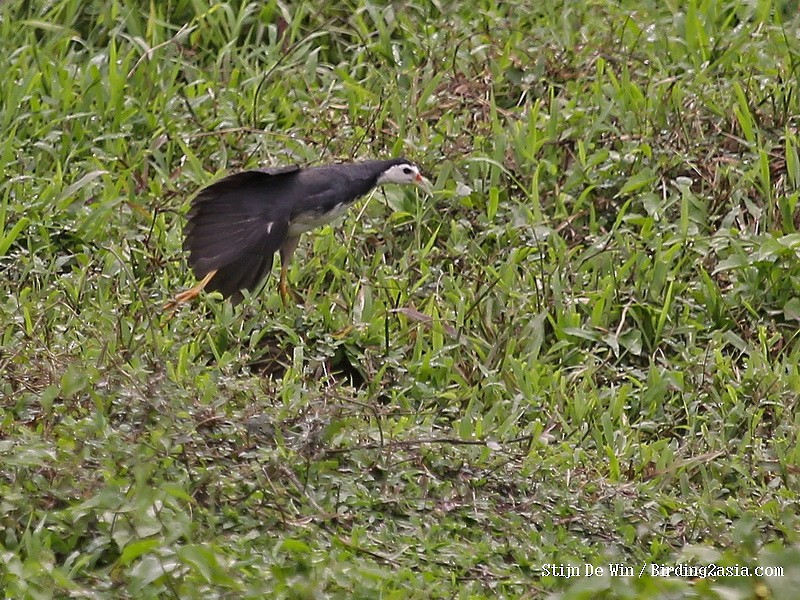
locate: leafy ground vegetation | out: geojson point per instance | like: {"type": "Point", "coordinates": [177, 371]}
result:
{"type": "Point", "coordinates": [582, 350]}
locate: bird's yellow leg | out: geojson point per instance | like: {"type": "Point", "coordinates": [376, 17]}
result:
{"type": "Point", "coordinates": [287, 294]}
{"type": "Point", "coordinates": [282, 287]}
{"type": "Point", "coordinates": [287, 249]}
{"type": "Point", "coordinates": [190, 294]}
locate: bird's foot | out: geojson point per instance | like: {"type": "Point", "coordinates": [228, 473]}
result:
{"type": "Point", "coordinates": [189, 294]}
{"type": "Point", "coordinates": [342, 333]}
{"type": "Point", "coordinates": [288, 295]}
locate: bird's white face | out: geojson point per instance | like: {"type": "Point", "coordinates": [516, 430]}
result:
{"type": "Point", "coordinates": [405, 173]}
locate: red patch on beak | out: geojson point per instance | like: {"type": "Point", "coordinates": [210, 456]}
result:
{"type": "Point", "coordinates": [418, 177]}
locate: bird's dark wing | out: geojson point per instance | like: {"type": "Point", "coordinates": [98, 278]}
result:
{"type": "Point", "coordinates": [249, 269]}
{"type": "Point", "coordinates": [236, 224]}
{"type": "Point", "coordinates": [284, 170]}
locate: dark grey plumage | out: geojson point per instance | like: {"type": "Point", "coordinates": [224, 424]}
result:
{"type": "Point", "coordinates": [236, 225]}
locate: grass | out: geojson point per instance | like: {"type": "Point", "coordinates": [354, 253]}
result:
{"type": "Point", "coordinates": [590, 356]}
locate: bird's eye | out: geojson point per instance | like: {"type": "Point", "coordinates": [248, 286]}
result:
{"type": "Point", "coordinates": [407, 170]}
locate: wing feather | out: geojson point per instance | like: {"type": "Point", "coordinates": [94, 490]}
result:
{"type": "Point", "coordinates": [245, 273]}
{"type": "Point", "coordinates": [235, 226]}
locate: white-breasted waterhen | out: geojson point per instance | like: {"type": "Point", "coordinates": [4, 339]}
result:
{"type": "Point", "coordinates": [236, 225]}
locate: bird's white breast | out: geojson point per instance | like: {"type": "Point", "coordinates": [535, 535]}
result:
{"type": "Point", "coordinates": [309, 221]}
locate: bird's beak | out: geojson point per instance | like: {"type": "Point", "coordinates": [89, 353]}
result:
{"type": "Point", "coordinates": [423, 184]}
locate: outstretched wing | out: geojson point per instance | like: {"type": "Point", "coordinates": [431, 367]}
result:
{"type": "Point", "coordinates": [235, 226]}
{"type": "Point", "coordinates": [249, 269]}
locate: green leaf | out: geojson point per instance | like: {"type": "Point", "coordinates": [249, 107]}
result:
{"type": "Point", "coordinates": [72, 189]}
{"type": "Point", "coordinates": [136, 549]}
{"type": "Point", "coordinates": [638, 181]}
{"type": "Point", "coordinates": [791, 309]}
{"type": "Point", "coordinates": [9, 237]}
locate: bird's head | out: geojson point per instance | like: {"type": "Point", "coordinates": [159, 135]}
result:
{"type": "Point", "coordinates": [405, 172]}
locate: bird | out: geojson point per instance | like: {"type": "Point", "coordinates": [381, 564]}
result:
{"type": "Point", "coordinates": [236, 225]}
